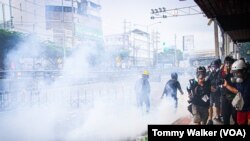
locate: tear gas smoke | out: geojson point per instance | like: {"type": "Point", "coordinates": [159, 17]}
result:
{"type": "Point", "coordinates": [68, 108]}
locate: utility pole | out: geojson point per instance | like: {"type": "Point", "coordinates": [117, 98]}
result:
{"type": "Point", "coordinates": [72, 22]}
{"type": "Point", "coordinates": [148, 44]}
{"type": "Point", "coordinates": [148, 39]}
{"type": "Point", "coordinates": [63, 37]}
{"type": "Point", "coordinates": [124, 33]}
{"type": "Point", "coordinates": [4, 22]}
{"type": "Point", "coordinates": [157, 40]}
{"type": "Point", "coordinates": [128, 44]}
{"type": "Point", "coordinates": [154, 47]}
{"type": "Point", "coordinates": [11, 17]}
{"type": "Point", "coordinates": [175, 57]}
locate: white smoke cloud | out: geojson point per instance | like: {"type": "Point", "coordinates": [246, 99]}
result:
{"type": "Point", "coordinates": [50, 110]}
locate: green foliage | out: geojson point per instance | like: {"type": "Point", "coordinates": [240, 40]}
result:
{"type": "Point", "coordinates": [168, 50]}
{"type": "Point", "coordinates": [179, 55]}
{"type": "Point", "coordinates": [52, 50]}
{"type": "Point", "coordinates": [124, 54]}
{"type": "Point", "coordinates": [142, 138]}
{"type": "Point", "coordinates": [168, 55]}
{"type": "Point", "coordinates": [8, 41]}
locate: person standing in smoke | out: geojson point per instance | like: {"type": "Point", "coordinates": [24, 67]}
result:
{"type": "Point", "coordinates": [199, 94]}
{"type": "Point", "coordinates": [241, 79]}
{"type": "Point", "coordinates": [171, 87]}
{"type": "Point", "coordinates": [215, 95]}
{"type": "Point", "coordinates": [142, 89]}
{"type": "Point", "coordinates": [227, 96]}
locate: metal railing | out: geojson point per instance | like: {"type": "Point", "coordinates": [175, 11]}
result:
{"type": "Point", "coordinates": [41, 87]}
{"type": "Point", "coordinates": [74, 95]}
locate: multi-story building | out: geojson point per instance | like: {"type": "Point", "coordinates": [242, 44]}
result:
{"type": "Point", "coordinates": [26, 16]}
{"type": "Point", "coordinates": [5, 18]}
{"type": "Point", "coordinates": [141, 51]}
{"type": "Point", "coordinates": [74, 23]}
{"type": "Point", "coordinates": [137, 43]}
{"type": "Point", "coordinates": [59, 19]}
{"type": "Point", "coordinates": [66, 22]}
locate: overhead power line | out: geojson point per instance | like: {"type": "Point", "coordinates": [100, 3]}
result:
{"type": "Point", "coordinates": [23, 10]}
{"type": "Point", "coordinates": [175, 12]}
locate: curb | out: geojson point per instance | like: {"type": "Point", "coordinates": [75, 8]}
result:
{"type": "Point", "coordinates": [183, 121]}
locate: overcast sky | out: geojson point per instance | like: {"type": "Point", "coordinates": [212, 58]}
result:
{"type": "Point", "coordinates": [114, 12]}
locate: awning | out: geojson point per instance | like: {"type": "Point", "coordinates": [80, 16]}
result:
{"type": "Point", "coordinates": [231, 16]}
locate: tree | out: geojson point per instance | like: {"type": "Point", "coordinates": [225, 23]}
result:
{"type": "Point", "coordinates": [9, 40]}
{"type": "Point", "coordinates": [179, 55]}
{"type": "Point", "coordinates": [124, 54]}
{"type": "Point", "coordinates": [168, 55]}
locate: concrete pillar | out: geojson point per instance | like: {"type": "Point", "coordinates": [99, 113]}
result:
{"type": "Point", "coordinates": [216, 41]}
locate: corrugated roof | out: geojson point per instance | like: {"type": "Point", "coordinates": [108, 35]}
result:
{"type": "Point", "coordinates": [138, 31]}
{"type": "Point", "coordinates": [231, 15]}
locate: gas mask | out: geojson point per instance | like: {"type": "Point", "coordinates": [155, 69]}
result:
{"type": "Point", "coordinates": [201, 77]}
{"type": "Point", "coordinates": [236, 78]}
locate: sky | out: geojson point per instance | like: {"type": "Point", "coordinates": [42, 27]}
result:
{"type": "Point", "coordinates": [137, 14]}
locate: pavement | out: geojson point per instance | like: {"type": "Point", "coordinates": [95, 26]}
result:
{"type": "Point", "coordinates": [187, 120]}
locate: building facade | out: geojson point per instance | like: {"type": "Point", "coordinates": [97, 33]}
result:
{"type": "Point", "coordinates": [65, 23]}
{"type": "Point", "coordinates": [75, 23]}
{"type": "Point", "coordinates": [5, 18]}
{"type": "Point", "coordinates": [137, 43]}
{"type": "Point", "coordinates": [68, 23]}
{"type": "Point", "coordinates": [25, 16]}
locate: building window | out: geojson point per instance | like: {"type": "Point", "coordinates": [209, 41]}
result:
{"type": "Point", "coordinates": [59, 8]}
{"type": "Point", "coordinates": [81, 8]}
{"type": "Point", "coordinates": [93, 5]}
